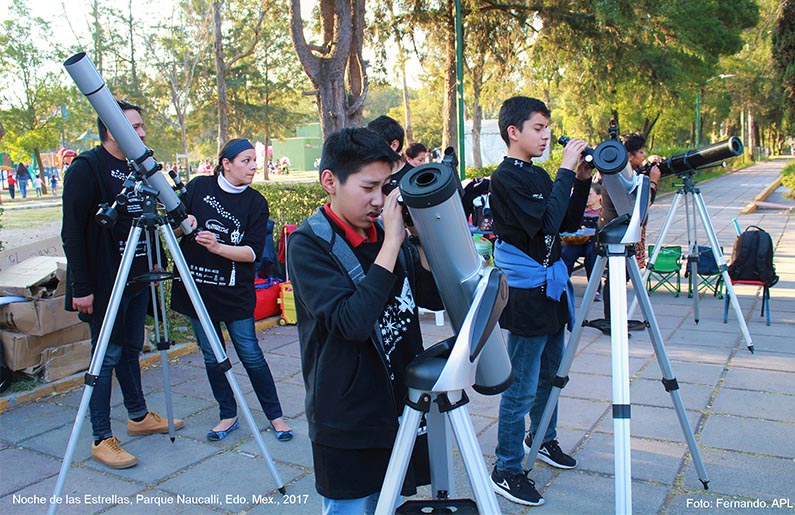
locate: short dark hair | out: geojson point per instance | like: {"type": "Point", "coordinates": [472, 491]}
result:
{"type": "Point", "coordinates": [346, 151]}
{"type": "Point", "coordinates": [415, 149]}
{"type": "Point", "coordinates": [516, 110]}
{"type": "Point", "coordinates": [102, 130]}
{"type": "Point", "coordinates": [633, 141]}
{"type": "Point", "coordinates": [389, 129]}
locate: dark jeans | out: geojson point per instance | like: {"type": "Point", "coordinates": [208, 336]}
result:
{"type": "Point", "coordinates": [570, 253]}
{"type": "Point", "coordinates": [535, 361]}
{"type": "Point", "coordinates": [244, 338]}
{"type": "Point", "coordinates": [123, 350]}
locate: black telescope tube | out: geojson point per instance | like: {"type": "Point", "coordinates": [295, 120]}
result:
{"type": "Point", "coordinates": [700, 157]}
{"type": "Point", "coordinates": [90, 83]}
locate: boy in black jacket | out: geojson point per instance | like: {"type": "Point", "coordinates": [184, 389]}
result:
{"type": "Point", "coordinates": [529, 211]}
{"type": "Point", "coordinates": [355, 285]}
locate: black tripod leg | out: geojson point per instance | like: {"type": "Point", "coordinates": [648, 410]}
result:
{"type": "Point", "coordinates": [669, 381]}
{"type": "Point", "coordinates": [562, 376]}
{"type": "Point", "coordinates": [218, 350]}
{"type": "Point", "coordinates": [96, 360]}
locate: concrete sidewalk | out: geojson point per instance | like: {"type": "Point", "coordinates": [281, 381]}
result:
{"type": "Point", "coordinates": [740, 405]}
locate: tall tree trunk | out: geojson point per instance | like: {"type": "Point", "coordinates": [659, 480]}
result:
{"type": "Point", "coordinates": [220, 74]}
{"type": "Point", "coordinates": [337, 59]}
{"type": "Point", "coordinates": [449, 108]}
{"type": "Point", "coordinates": [477, 112]}
{"type": "Point", "coordinates": [406, 106]}
{"type": "Point", "coordinates": [133, 67]}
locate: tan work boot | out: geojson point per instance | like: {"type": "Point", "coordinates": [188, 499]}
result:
{"type": "Point", "coordinates": [151, 424]}
{"type": "Point", "coordinates": [110, 453]}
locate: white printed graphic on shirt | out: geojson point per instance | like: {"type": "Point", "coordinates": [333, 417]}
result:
{"type": "Point", "coordinates": [395, 321]}
{"type": "Point", "coordinates": [219, 228]}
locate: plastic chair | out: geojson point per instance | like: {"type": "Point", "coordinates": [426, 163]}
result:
{"type": "Point", "coordinates": [667, 267]}
{"type": "Point", "coordinates": [709, 277]}
{"type": "Point", "coordinates": [765, 299]}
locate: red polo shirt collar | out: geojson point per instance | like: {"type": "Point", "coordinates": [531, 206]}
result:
{"type": "Point", "coordinates": [351, 236]}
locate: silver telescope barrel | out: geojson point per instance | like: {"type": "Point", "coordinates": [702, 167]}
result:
{"type": "Point", "coordinates": [431, 193]}
{"type": "Point", "coordinates": [91, 84]}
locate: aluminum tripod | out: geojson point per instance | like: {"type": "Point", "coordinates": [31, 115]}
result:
{"type": "Point", "coordinates": [620, 256]}
{"type": "Point", "coordinates": [149, 219]}
{"type": "Point", "coordinates": [689, 188]}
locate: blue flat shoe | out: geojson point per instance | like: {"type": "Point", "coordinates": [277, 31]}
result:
{"type": "Point", "coordinates": [215, 436]}
{"type": "Point", "coordinates": [283, 436]}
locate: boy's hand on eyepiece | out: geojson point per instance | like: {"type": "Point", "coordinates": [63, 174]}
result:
{"type": "Point", "coordinates": [572, 152]}
{"type": "Point", "coordinates": [393, 219]}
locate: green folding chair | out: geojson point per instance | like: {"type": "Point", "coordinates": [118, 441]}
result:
{"type": "Point", "coordinates": [665, 269]}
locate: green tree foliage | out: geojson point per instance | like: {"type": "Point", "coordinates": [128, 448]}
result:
{"type": "Point", "coordinates": [784, 60]}
{"type": "Point", "coordinates": [33, 121]}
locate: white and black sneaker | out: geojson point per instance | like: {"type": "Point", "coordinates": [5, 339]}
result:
{"type": "Point", "coordinates": [516, 487]}
{"type": "Point", "coordinates": [551, 453]}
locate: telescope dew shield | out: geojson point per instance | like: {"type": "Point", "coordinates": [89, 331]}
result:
{"type": "Point", "coordinates": [91, 84]}
{"type": "Point", "coordinates": [700, 157]}
{"type": "Point", "coordinates": [431, 194]}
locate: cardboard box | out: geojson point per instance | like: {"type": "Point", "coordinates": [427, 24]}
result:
{"type": "Point", "coordinates": [49, 247]}
{"type": "Point", "coordinates": [35, 278]}
{"type": "Point", "coordinates": [23, 350]}
{"type": "Point", "coordinates": [64, 360]}
{"type": "Point", "coordinates": [37, 317]}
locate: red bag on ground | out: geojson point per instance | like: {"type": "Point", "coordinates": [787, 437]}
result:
{"type": "Point", "coordinates": [267, 298]}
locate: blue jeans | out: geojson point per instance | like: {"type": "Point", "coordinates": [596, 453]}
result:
{"type": "Point", "coordinates": [535, 361]}
{"type": "Point", "coordinates": [244, 338]}
{"type": "Point", "coordinates": [23, 188]}
{"type": "Point", "coordinates": [570, 253]}
{"type": "Point", "coordinates": [122, 353]}
{"type": "Point", "coordinates": [361, 506]}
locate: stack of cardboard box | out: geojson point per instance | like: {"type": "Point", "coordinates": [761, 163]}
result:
{"type": "Point", "coordinates": [38, 335]}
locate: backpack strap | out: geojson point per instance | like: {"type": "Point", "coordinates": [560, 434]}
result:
{"type": "Point", "coordinates": [339, 250]}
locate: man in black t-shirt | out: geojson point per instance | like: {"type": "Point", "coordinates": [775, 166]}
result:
{"type": "Point", "coordinates": [93, 256]}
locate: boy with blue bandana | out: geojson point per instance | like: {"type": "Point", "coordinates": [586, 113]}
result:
{"type": "Point", "coordinates": [529, 211]}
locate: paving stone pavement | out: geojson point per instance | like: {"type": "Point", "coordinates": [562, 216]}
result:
{"type": "Point", "coordinates": [741, 407]}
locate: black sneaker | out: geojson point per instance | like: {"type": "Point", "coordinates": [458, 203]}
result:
{"type": "Point", "coordinates": [516, 487]}
{"type": "Point", "coordinates": [551, 453]}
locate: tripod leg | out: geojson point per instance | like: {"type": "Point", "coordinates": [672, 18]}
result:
{"type": "Point", "coordinates": [96, 360]}
{"type": "Point", "coordinates": [166, 339]}
{"type": "Point", "coordinates": [669, 381]}
{"type": "Point", "coordinates": [562, 376]}
{"type": "Point", "coordinates": [619, 339]}
{"type": "Point", "coordinates": [440, 449]}
{"type": "Point", "coordinates": [401, 453]}
{"type": "Point", "coordinates": [472, 456]}
{"type": "Point", "coordinates": [724, 270]}
{"type": "Point", "coordinates": [152, 241]}
{"type": "Point", "coordinates": [657, 246]}
{"type": "Point", "coordinates": [218, 350]}
{"type": "Point", "coordinates": [691, 244]}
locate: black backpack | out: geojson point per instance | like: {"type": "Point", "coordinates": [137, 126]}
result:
{"type": "Point", "coordinates": [752, 257]}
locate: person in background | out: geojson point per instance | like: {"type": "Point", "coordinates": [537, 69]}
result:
{"type": "Point", "coordinates": [570, 252]}
{"type": "Point", "coordinates": [12, 185]}
{"type": "Point", "coordinates": [93, 255]}
{"type": "Point", "coordinates": [416, 154]}
{"type": "Point", "coordinates": [392, 132]}
{"type": "Point", "coordinates": [23, 176]}
{"type": "Point", "coordinates": [221, 257]}
{"type": "Point", "coordinates": [37, 185]}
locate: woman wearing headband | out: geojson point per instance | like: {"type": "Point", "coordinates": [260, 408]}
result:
{"type": "Point", "coordinates": [231, 219]}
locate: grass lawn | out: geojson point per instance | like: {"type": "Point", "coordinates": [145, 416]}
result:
{"type": "Point", "coordinates": [24, 218]}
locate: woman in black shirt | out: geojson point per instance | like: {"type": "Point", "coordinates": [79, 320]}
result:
{"type": "Point", "coordinates": [221, 257]}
